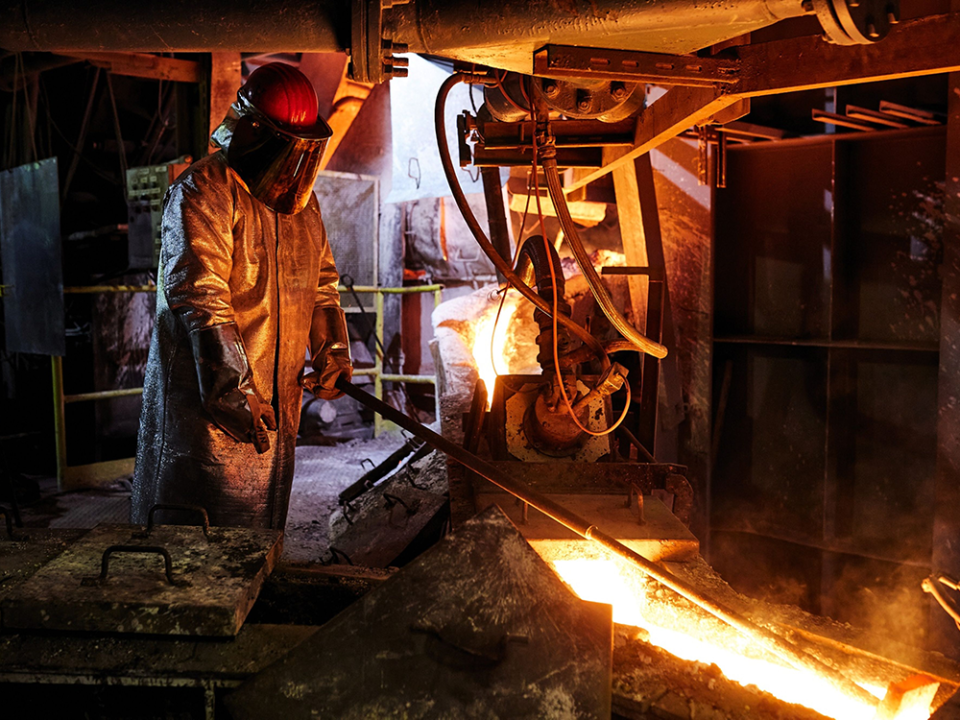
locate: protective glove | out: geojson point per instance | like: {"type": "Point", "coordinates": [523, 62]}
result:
{"type": "Point", "coordinates": [329, 352]}
{"type": "Point", "coordinates": [227, 392]}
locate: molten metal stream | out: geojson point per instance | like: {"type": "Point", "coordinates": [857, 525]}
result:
{"type": "Point", "coordinates": [612, 582]}
{"type": "Point", "coordinates": [779, 646]}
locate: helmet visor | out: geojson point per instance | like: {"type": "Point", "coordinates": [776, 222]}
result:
{"type": "Point", "coordinates": [279, 167]}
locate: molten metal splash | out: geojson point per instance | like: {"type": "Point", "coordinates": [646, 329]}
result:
{"type": "Point", "coordinates": [607, 581]}
{"type": "Point", "coordinates": [488, 347]}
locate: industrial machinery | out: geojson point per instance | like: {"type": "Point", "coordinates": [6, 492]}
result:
{"type": "Point", "coordinates": [567, 454]}
{"type": "Point", "coordinates": [146, 188]}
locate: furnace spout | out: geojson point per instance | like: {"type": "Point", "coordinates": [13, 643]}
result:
{"type": "Point", "coordinates": [557, 430]}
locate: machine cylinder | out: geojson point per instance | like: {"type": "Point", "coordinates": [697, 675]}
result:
{"type": "Point", "coordinates": [175, 25]}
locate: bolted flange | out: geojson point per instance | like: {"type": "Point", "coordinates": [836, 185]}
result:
{"type": "Point", "coordinates": [373, 58]}
{"type": "Point", "coordinates": [856, 22]}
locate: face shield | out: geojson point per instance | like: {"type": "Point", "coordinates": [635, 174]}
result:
{"type": "Point", "coordinates": [279, 165]}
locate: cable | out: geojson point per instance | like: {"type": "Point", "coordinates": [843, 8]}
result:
{"type": "Point", "coordinates": [481, 237]}
{"type": "Point", "coordinates": [506, 95]}
{"type": "Point", "coordinates": [606, 303]}
{"type": "Point", "coordinates": [556, 314]}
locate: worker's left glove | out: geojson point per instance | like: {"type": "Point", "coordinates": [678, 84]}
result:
{"type": "Point", "coordinates": [329, 352]}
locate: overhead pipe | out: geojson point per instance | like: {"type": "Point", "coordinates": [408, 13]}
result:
{"type": "Point", "coordinates": [505, 33]}
{"type": "Point", "coordinates": [176, 25]}
{"type": "Point", "coordinates": [499, 33]}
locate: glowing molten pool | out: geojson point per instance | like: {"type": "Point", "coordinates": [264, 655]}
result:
{"type": "Point", "coordinates": [607, 581]}
{"type": "Point", "coordinates": [488, 347]}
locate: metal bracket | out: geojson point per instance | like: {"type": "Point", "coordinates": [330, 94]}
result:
{"type": "Point", "coordinates": [561, 61]}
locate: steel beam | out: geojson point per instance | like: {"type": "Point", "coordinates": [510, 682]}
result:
{"type": "Point", "coordinates": [143, 65]}
{"type": "Point", "coordinates": [924, 46]}
{"type": "Point", "coordinates": [678, 110]}
{"type": "Point", "coordinates": [561, 61]}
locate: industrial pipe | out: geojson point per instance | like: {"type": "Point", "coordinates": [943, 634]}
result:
{"type": "Point", "coordinates": [499, 33]}
{"type": "Point", "coordinates": [781, 647]}
{"type": "Point", "coordinates": [505, 33]}
{"type": "Point", "coordinates": [176, 25]}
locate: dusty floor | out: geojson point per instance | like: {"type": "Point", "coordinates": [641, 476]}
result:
{"type": "Point", "coordinates": [321, 473]}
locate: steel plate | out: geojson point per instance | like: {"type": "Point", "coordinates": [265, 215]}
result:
{"type": "Point", "coordinates": [31, 256]}
{"type": "Point", "coordinates": [217, 581]}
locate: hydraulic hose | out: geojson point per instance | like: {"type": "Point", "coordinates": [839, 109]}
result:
{"type": "Point", "coordinates": [502, 265]}
{"type": "Point", "coordinates": [549, 165]}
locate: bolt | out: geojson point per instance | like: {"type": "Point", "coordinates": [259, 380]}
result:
{"type": "Point", "coordinates": [892, 15]}
{"type": "Point", "coordinates": [583, 100]}
{"type": "Point", "coordinates": [872, 29]}
{"type": "Point", "coordinates": [618, 91]}
{"type": "Point", "coordinates": [550, 88]}
{"type": "Point", "coordinates": [389, 71]}
{"type": "Point", "coordinates": [807, 6]}
{"type": "Point", "coordinates": [853, 3]}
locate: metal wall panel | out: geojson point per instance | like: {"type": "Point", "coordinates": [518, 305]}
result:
{"type": "Point", "coordinates": [350, 207]}
{"type": "Point", "coordinates": [30, 252]}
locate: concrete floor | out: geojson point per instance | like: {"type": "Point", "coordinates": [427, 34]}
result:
{"type": "Point", "coordinates": [321, 473]}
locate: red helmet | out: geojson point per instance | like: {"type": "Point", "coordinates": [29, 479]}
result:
{"type": "Point", "coordinates": [279, 137]}
{"type": "Point", "coordinates": [283, 94]}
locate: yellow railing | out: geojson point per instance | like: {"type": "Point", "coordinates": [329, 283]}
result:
{"type": "Point", "coordinates": [70, 477]}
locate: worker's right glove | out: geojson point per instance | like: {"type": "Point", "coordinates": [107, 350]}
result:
{"type": "Point", "coordinates": [227, 391]}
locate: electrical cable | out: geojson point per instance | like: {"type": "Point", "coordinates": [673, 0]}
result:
{"type": "Point", "coordinates": [606, 303]}
{"type": "Point", "coordinates": [31, 122]}
{"type": "Point", "coordinates": [556, 314]}
{"type": "Point", "coordinates": [506, 95]}
{"type": "Point", "coordinates": [477, 230]}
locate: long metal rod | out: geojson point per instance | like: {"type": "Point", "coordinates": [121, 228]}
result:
{"type": "Point", "coordinates": [782, 648]}
{"type": "Point", "coordinates": [102, 395]}
{"type": "Point", "coordinates": [59, 422]}
{"type": "Point", "coordinates": [103, 289]}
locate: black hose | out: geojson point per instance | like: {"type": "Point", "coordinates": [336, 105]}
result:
{"type": "Point", "coordinates": [502, 265]}
{"type": "Point", "coordinates": [534, 252]}
{"type": "Point", "coordinates": [541, 257]}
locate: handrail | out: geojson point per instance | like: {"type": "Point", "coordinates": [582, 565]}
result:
{"type": "Point", "coordinates": [61, 400]}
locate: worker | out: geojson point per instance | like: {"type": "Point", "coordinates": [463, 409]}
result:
{"type": "Point", "coordinates": [245, 288]}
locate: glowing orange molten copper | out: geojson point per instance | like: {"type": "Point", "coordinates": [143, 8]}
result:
{"type": "Point", "coordinates": [609, 581]}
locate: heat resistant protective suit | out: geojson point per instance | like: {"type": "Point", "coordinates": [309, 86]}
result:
{"type": "Point", "coordinates": [228, 259]}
